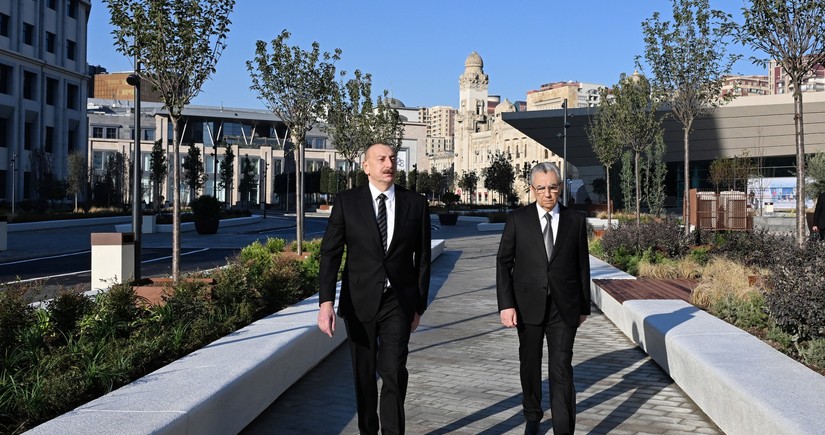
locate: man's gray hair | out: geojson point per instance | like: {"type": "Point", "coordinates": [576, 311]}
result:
{"type": "Point", "coordinates": [545, 168]}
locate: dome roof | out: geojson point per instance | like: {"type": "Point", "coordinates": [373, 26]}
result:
{"type": "Point", "coordinates": [505, 106]}
{"type": "Point", "coordinates": [474, 61]}
{"type": "Point", "coordinates": [395, 103]}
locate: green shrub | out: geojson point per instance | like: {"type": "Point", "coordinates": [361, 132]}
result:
{"type": "Point", "coordinates": [595, 248]}
{"type": "Point", "coordinates": [66, 310]}
{"type": "Point", "coordinates": [813, 353]}
{"type": "Point", "coordinates": [747, 311]}
{"type": "Point", "coordinates": [662, 237]}
{"type": "Point", "coordinates": [114, 313]}
{"type": "Point", "coordinates": [275, 244]}
{"type": "Point", "coordinates": [15, 313]}
{"type": "Point", "coordinates": [782, 339]}
{"type": "Point", "coordinates": [701, 255]}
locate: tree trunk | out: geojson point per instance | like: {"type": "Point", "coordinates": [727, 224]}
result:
{"type": "Point", "coordinates": [800, 165]}
{"type": "Point", "coordinates": [299, 192]}
{"type": "Point", "coordinates": [175, 201]}
{"type": "Point", "coordinates": [609, 208]}
{"type": "Point", "coordinates": [638, 192]}
{"type": "Point", "coordinates": [686, 193]}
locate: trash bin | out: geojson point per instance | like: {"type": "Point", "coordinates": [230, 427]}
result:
{"type": "Point", "coordinates": [113, 259]}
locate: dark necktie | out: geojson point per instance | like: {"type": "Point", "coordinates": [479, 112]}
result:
{"type": "Point", "coordinates": [382, 219]}
{"type": "Point", "coordinates": [548, 236]}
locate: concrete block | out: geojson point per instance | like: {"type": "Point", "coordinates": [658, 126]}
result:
{"type": "Point", "coordinates": [113, 259]}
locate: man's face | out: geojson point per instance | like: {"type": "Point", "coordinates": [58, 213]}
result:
{"type": "Point", "coordinates": [546, 188]}
{"type": "Point", "coordinates": [379, 165]}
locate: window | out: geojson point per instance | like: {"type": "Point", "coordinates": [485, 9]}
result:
{"type": "Point", "coordinates": [71, 49]}
{"type": "Point", "coordinates": [71, 8]}
{"type": "Point", "coordinates": [71, 140]}
{"type": "Point", "coordinates": [28, 34]}
{"type": "Point", "coordinates": [72, 92]}
{"type": "Point", "coordinates": [29, 85]}
{"type": "Point", "coordinates": [49, 139]}
{"type": "Point", "coordinates": [4, 131]}
{"type": "Point", "coordinates": [50, 41]}
{"type": "Point", "coordinates": [111, 132]}
{"type": "Point", "coordinates": [97, 132]}
{"type": "Point", "coordinates": [51, 91]}
{"type": "Point", "coordinates": [6, 78]}
{"type": "Point", "coordinates": [148, 135]}
{"type": "Point", "coordinates": [28, 136]}
{"type": "Point", "coordinates": [52, 4]}
{"type": "Point", "coordinates": [4, 25]}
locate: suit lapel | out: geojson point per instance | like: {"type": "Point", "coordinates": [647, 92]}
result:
{"type": "Point", "coordinates": [534, 225]}
{"type": "Point", "coordinates": [402, 207]}
{"type": "Point", "coordinates": [564, 225]}
{"type": "Point", "coordinates": [367, 211]}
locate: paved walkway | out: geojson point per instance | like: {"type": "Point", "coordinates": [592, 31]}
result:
{"type": "Point", "coordinates": [464, 369]}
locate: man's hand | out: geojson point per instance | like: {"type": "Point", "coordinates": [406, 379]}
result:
{"type": "Point", "coordinates": [508, 317]}
{"type": "Point", "coordinates": [326, 318]}
{"type": "Point", "coordinates": [815, 229]}
{"type": "Point", "coordinates": [582, 318]}
{"type": "Point", "coordinates": [415, 322]}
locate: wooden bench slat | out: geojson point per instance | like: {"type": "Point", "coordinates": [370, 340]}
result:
{"type": "Point", "coordinates": [647, 288]}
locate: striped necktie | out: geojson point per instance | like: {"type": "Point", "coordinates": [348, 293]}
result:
{"type": "Point", "coordinates": [382, 219]}
{"type": "Point", "coordinates": [548, 236]}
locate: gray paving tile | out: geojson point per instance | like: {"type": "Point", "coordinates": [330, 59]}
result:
{"type": "Point", "coordinates": [464, 369]}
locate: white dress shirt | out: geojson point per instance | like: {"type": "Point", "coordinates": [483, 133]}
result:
{"type": "Point", "coordinates": [554, 213]}
{"type": "Point", "coordinates": [390, 204]}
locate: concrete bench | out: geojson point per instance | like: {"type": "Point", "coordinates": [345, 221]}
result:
{"type": "Point", "coordinates": [218, 389]}
{"type": "Point", "coordinates": [741, 383]}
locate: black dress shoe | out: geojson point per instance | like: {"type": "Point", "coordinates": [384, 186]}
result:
{"type": "Point", "coordinates": [531, 428]}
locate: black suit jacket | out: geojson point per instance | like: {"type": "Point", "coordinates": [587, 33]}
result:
{"type": "Point", "coordinates": [523, 273]}
{"type": "Point", "coordinates": [352, 224]}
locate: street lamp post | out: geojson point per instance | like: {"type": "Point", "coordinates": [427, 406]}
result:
{"type": "Point", "coordinates": [263, 181]}
{"type": "Point", "coordinates": [134, 80]}
{"type": "Point", "coordinates": [564, 170]}
{"type": "Point", "coordinates": [215, 168]}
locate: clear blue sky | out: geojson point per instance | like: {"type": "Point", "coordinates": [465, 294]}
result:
{"type": "Point", "coordinates": [416, 50]}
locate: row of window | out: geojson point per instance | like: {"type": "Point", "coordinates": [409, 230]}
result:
{"type": "Point", "coordinates": [30, 82]}
{"type": "Point", "coordinates": [29, 136]}
{"type": "Point", "coordinates": [101, 132]}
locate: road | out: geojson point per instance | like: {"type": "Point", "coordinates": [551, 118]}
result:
{"type": "Point", "coordinates": [61, 257]}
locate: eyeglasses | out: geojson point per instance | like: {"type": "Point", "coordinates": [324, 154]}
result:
{"type": "Point", "coordinates": [541, 189]}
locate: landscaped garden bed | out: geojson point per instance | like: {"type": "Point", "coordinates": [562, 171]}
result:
{"type": "Point", "coordinates": [75, 349]}
{"type": "Point", "coordinates": [761, 282]}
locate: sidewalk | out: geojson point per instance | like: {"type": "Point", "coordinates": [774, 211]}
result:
{"type": "Point", "coordinates": [464, 368]}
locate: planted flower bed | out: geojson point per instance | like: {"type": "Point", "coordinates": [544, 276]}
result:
{"type": "Point", "coordinates": [758, 281]}
{"type": "Point", "coordinates": [76, 348]}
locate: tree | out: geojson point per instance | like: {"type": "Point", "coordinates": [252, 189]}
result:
{"type": "Point", "coordinates": [401, 178]}
{"type": "Point", "coordinates": [177, 43]}
{"type": "Point", "coordinates": [815, 171]}
{"type": "Point", "coordinates": [412, 179]}
{"type": "Point", "coordinates": [226, 173]}
{"type": "Point", "coordinates": [77, 177]}
{"type": "Point", "coordinates": [296, 85]}
{"type": "Point", "coordinates": [348, 117]}
{"type": "Point", "coordinates": [500, 176]}
{"type": "Point", "coordinates": [688, 58]}
{"type": "Point", "coordinates": [626, 179]}
{"type": "Point", "coordinates": [193, 171]}
{"type": "Point", "coordinates": [792, 32]}
{"type": "Point", "coordinates": [247, 181]}
{"type": "Point", "coordinates": [605, 142]}
{"type": "Point", "coordinates": [655, 171]}
{"type": "Point", "coordinates": [424, 183]}
{"type": "Point", "coordinates": [632, 116]}
{"type": "Point", "coordinates": [158, 170]}
{"type": "Point", "coordinates": [469, 183]}
{"type": "Point", "coordinates": [387, 125]}
{"type": "Point", "coordinates": [600, 188]}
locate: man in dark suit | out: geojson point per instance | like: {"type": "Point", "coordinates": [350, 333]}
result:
{"type": "Point", "coordinates": [818, 224]}
{"type": "Point", "coordinates": [543, 289]}
{"type": "Point", "coordinates": [384, 287]}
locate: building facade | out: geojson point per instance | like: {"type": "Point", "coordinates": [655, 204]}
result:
{"type": "Point", "coordinates": [113, 86]}
{"type": "Point", "coordinates": [746, 85]}
{"type": "Point", "coordinates": [780, 81]}
{"type": "Point", "coordinates": [43, 90]}
{"type": "Point", "coordinates": [481, 134]}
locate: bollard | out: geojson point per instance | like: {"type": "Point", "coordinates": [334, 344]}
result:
{"type": "Point", "coordinates": [113, 259]}
{"type": "Point", "coordinates": [148, 224]}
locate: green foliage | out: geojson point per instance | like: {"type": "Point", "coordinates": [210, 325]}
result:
{"type": "Point", "coordinates": [66, 310]}
{"type": "Point", "coordinates": [660, 237]}
{"type": "Point", "coordinates": [15, 313]}
{"type": "Point", "coordinates": [157, 170]}
{"type": "Point", "coordinates": [815, 170]}
{"type": "Point", "coordinates": [813, 353]}
{"type": "Point", "coordinates": [600, 188]}
{"type": "Point", "coordinates": [594, 246]}
{"type": "Point", "coordinates": [193, 173]}
{"type": "Point", "coordinates": [701, 255]}
{"type": "Point", "coordinates": [275, 244]}
{"type": "Point", "coordinates": [500, 176]}
{"type": "Point", "coordinates": [226, 172]}
{"type": "Point", "coordinates": [450, 199]}
{"type": "Point", "coordinates": [248, 180]}
{"type": "Point", "coordinates": [468, 182]}
{"type": "Point", "coordinates": [744, 312]}
{"type": "Point", "coordinates": [627, 180]}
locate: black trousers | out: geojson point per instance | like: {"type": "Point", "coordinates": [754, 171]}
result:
{"type": "Point", "coordinates": [380, 346]}
{"type": "Point", "coordinates": [560, 337]}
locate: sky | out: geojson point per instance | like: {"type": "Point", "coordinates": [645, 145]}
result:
{"type": "Point", "coordinates": [416, 50]}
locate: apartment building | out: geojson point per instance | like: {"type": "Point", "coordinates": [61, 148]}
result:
{"type": "Point", "coordinates": [43, 90]}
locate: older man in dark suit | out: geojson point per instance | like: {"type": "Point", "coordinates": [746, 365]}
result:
{"type": "Point", "coordinates": [543, 289]}
{"type": "Point", "coordinates": [384, 287]}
